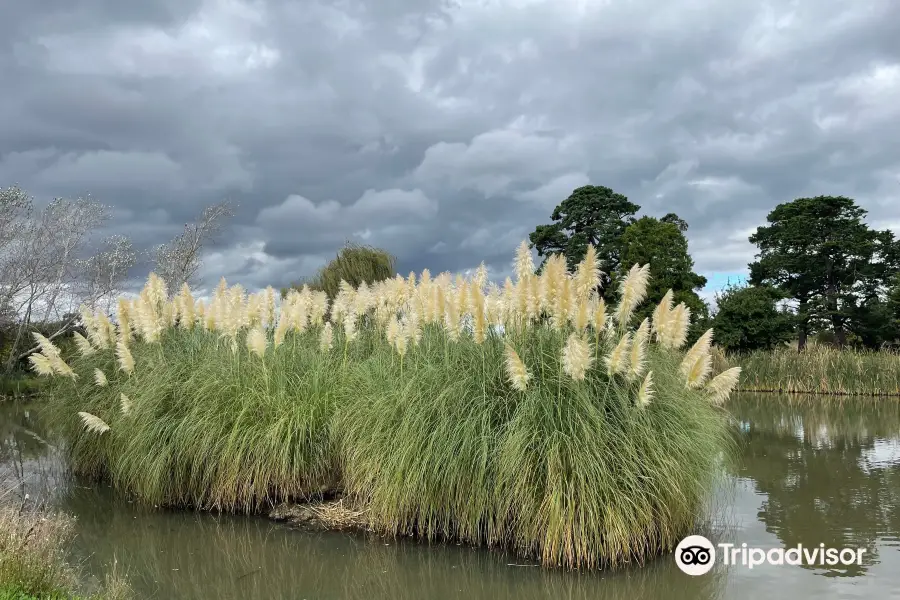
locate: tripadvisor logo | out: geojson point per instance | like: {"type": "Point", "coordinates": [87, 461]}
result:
{"type": "Point", "coordinates": [696, 555]}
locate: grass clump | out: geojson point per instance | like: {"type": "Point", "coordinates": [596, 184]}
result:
{"type": "Point", "coordinates": [528, 417]}
{"type": "Point", "coordinates": [33, 560]}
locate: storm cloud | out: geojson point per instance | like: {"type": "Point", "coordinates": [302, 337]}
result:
{"type": "Point", "coordinates": [446, 131]}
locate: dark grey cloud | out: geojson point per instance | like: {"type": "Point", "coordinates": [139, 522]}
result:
{"type": "Point", "coordinates": [445, 131]}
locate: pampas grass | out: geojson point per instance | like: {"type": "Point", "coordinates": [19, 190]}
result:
{"type": "Point", "coordinates": [93, 423]}
{"type": "Point", "coordinates": [516, 370]}
{"type": "Point", "coordinates": [448, 408]}
{"type": "Point", "coordinates": [84, 346]}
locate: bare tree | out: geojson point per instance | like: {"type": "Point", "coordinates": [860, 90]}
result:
{"type": "Point", "coordinates": [46, 265]}
{"type": "Point", "coordinates": [178, 261]}
{"type": "Point", "coordinates": [15, 213]}
{"type": "Point", "coordinates": [103, 273]}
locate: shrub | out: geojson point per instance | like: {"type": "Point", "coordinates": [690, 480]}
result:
{"type": "Point", "coordinates": [354, 264]}
{"type": "Point", "coordinates": [529, 417]}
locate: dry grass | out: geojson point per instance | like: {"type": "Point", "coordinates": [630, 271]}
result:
{"type": "Point", "coordinates": [331, 514]}
{"type": "Point", "coordinates": [33, 557]}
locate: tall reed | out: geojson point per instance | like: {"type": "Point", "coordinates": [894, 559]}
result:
{"type": "Point", "coordinates": [820, 369]}
{"type": "Point", "coordinates": [527, 417]}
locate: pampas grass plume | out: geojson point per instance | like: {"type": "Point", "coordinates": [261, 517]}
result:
{"type": "Point", "coordinates": [350, 326]}
{"type": "Point", "coordinates": [93, 423]}
{"type": "Point", "coordinates": [257, 342]}
{"type": "Point", "coordinates": [516, 371]}
{"type": "Point", "coordinates": [699, 371]}
{"type": "Point", "coordinates": [617, 360]}
{"type": "Point", "coordinates": [645, 393]}
{"type": "Point", "coordinates": [40, 364]}
{"type": "Point", "coordinates": [84, 346]}
{"type": "Point", "coordinates": [638, 353]}
{"type": "Point", "coordinates": [662, 316]}
{"type": "Point", "coordinates": [587, 274]}
{"type": "Point", "coordinates": [48, 348]}
{"type": "Point", "coordinates": [124, 318]}
{"type": "Point", "coordinates": [700, 347]}
{"type": "Point", "coordinates": [720, 387]}
{"type": "Point", "coordinates": [326, 338]}
{"type": "Point", "coordinates": [280, 330]}
{"type": "Point", "coordinates": [633, 290]}
{"type": "Point", "coordinates": [582, 317]}
{"type": "Point", "coordinates": [576, 357]}
{"type": "Point", "coordinates": [100, 378]}
{"type": "Point", "coordinates": [697, 361]}
{"type": "Point", "coordinates": [675, 333]}
{"type": "Point", "coordinates": [598, 318]}
{"type": "Point", "coordinates": [123, 354]}
{"type": "Point", "coordinates": [524, 265]}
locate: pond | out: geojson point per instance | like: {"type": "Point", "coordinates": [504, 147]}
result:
{"type": "Point", "coordinates": [817, 471]}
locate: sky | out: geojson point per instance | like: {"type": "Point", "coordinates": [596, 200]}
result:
{"type": "Point", "coordinates": [445, 132]}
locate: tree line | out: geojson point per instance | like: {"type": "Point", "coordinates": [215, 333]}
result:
{"type": "Point", "coordinates": [819, 269]}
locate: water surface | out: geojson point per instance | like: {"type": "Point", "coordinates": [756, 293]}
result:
{"type": "Point", "coordinates": [811, 471]}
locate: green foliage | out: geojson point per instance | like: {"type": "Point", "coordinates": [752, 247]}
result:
{"type": "Point", "coordinates": [354, 264]}
{"type": "Point", "coordinates": [874, 323]}
{"type": "Point", "coordinates": [748, 319]}
{"type": "Point", "coordinates": [662, 244]}
{"type": "Point", "coordinates": [590, 215]}
{"type": "Point", "coordinates": [571, 472]}
{"type": "Point", "coordinates": [599, 216]}
{"type": "Point", "coordinates": [819, 252]}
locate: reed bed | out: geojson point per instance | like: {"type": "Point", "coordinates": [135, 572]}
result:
{"type": "Point", "coordinates": [820, 369]}
{"type": "Point", "coordinates": [529, 417]}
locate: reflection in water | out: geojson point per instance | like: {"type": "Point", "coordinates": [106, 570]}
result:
{"type": "Point", "coordinates": [829, 469]}
{"type": "Point", "coordinates": [818, 471]}
{"type": "Point", "coordinates": [189, 555]}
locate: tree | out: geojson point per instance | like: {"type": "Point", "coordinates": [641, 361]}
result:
{"type": "Point", "coordinates": [747, 318]}
{"type": "Point", "coordinates": [675, 220]}
{"type": "Point", "coordinates": [46, 257]}
{"type": "Point", "coordinates": [894, 299]}
{"type": "Point", "coordinates": [662, 244]}
{"type": "Point", "coordinates": [178, 261]}
{"type": "Point", "coordinates": [819, 253]}
{"type": "Point", "coordinates": [590, 215]}
{"type": "Point", "coordinates": [876, 321]}
{"type": "Point", "coordinates": [354, 264]}
{"type": "Point", "coordinates": [873, 323]}
{"type": "Point", "coordinates": [104, 272]}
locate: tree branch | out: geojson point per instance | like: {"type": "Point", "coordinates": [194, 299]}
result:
{"type": "Point", "coordinates": [61, 331]}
